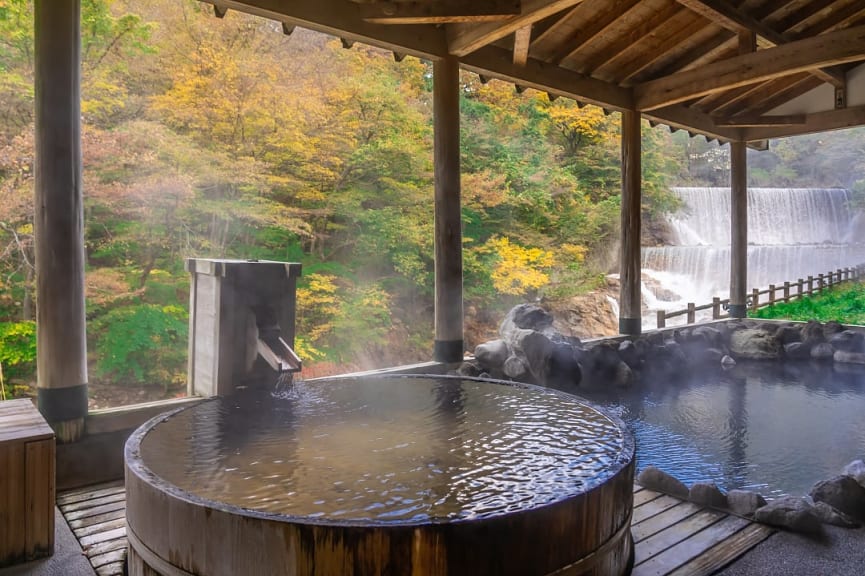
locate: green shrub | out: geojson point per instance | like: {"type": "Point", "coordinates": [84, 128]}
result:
{"type": "Point", "coordinates": [18, 350]}
{"type": "Point", "coordinates": [845, 304]}
{"type": "Point", "coordinates": [142, 344]}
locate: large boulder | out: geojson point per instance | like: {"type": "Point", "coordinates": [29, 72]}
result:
{"type": "Point", "coordinates": [713, 337]}
{"type": "Point", "coordinates": [526, 317]}
{"type": "Point", "coordinates": [744, 502]}
{"type": "Point", "coordinates": [847, 341]}
{"type": "Point", "coordinates": [846, 357]}
{"type": "Point", "coordinates": [788, 334]}
{"type": "Point", "coordinates": [842, 493]}
{"type": "Point", "coordinates": [629, 353]}
{"type": "Point", "coordinates": [790, 512]}
{"type": "Point", "coordinates": [656, 479]}
{"type": "Point", "coordinates": [563, 369]}
{"type": "Point", "coordinates": [797, 350]}
{"type": "Point", "coordinates": [812, 332]}
{"type": "Point", "coordinates": [828, 515]}
{"type": "Point", "coordinates": [754, 344]}
{"type": "Point", "coordinates": [822, 352]}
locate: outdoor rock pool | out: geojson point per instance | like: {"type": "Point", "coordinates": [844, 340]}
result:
{"type": "Point", "coordinates": [772, 427]}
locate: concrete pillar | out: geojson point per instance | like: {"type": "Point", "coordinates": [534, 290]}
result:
{"type": "Point", "coordinates": [59, 222]}
{"type": "Point", "coordinates": [448, 220]}
{"type": "Point", "coordinates": [738, 230]}
{"type": "Point", "coordinates": [630, 309]}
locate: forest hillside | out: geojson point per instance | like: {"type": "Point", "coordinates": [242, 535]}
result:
{"type": "Point", "coordinates": [206, 137]}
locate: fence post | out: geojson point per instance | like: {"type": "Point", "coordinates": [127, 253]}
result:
{"type": "Point", "coordinates": [662, 318]}
{"type": "Point", "coordinates": [799, 288]}
{"type": "Point", "coordinates": [716, 308]}
{"type": "Point", "coordinates": [692, 314]}
{"type": "Point", "coordinates": [755, 299]}
{"type": "Point", "coordinates": [786, 291]}
{"type": "Point", "coordinates": [820, 283]}
{"type": "Point", "coordinates": [810, 285]}
{"type": "Point", "coordinates": [771, 294]}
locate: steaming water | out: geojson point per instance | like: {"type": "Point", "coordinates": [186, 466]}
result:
{"type": "Point", "coordinates": [792, 233]}
{"type": "Point", "coordinates": [375, 450]}
{"type": "Point", "coordinates": [765, 426]}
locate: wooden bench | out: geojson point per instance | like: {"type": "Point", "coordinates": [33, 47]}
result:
{"type": "Point", "coordinates": [26, 483]}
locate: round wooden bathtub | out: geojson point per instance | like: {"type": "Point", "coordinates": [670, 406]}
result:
{"type": "Point", "coordinates": [400, 475]}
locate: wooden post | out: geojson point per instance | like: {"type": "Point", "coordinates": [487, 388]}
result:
{"type": "Point", "coordinates": [799, 289]}
{"type": "Point", "coordinates": [738, 229]}
{"type": "Point", "coordinates": [59, 219]}
{"type": "Point", "coordinates": [810, 285]}
{"type": "Point", "coordinates": [820, 283]}
{"type": "Point", "coordinates": [629, 288]}
{"type": "Point", "coordinates": [662, 318]}
{"type": "Point", "coordinates": [692, 313]}
{"type": "Point", "coordinates": [771, 294]}
{"type": "Point", "coordinates": [755, 299]}
{"type": "Point", "coordinates": [716, 308]}
{"type": "Point", "coordinates": [786, 291]}
{"type": "Point", "coordinates": [448, 346]}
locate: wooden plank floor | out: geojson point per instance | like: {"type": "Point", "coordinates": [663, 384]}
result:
{"type": "Point", "coordinates": [677, 538]}
{"type": "Point", "coordinates": [97, 517]}
{"type": "Point", "coordinates": [673, 537]}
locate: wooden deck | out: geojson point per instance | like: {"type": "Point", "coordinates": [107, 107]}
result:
{"type": "Point", "coordinates": [97, 517]}
{"type": "Point", "coordinates": [672, 537]}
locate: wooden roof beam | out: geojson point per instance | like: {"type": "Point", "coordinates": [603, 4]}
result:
{"type": "Point", "coordinates": [522, 41]}
{"type": "Point", "coordinates": [438, 12]}
{"type": "Point", "coordinates": [466, 38]}
{"type": "Point", "coordinates": [816, 122]}
{"type": "Point", "coordinates": [733, 19]}
{"type": "Point", "coordinates": [692, 120]}
{"type": "Point", "coordinates": [753, 121]}
{"type": "Point", "coordinates": [800, 56]}
{"type": "Point", "coordinates": [341, 18]}
{"type": "Point", "coordinates": [492, 61]}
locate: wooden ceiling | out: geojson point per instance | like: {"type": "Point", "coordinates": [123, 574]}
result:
{"type": "Point", "coordinates": [729, 69]}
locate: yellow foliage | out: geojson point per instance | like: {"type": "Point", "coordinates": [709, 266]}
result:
{"type": "Point", "coordinates": [519, 269]}
{"type": "Point", "coordinates": [317, 305]}
{"type": "Point", "coordinates": [572, 253]}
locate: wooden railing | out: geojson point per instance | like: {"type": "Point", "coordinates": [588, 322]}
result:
{"type": "Point", "coordinates": [788, 291]}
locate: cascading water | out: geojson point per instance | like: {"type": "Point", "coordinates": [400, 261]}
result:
{"type": "Point", "coordinates": [792, 233]}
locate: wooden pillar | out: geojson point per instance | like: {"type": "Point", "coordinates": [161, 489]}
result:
{"type": "Point", "coordinates": [629, 288]}
{"type": "Point", "coordinates": [59, 223]}
{"type": "Point", "coordinates": [448, 220]}
{"type": "Point", "coordinates": [738, 230]}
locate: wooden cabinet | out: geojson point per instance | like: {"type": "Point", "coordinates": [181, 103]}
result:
{"type": "Point", "coordinates": [26, 483]}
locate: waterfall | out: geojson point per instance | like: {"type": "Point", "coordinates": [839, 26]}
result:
{"type": "Point", "coordinates": [792, 233]}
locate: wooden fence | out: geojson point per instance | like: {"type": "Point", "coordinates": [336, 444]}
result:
{"type": "Point", "coordinates": [774, 294]}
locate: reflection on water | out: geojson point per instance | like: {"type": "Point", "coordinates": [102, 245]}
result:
{"type": "Point", "coordinates": [777, 428]}
{"type": "Point", "coordinates": [386, 449]}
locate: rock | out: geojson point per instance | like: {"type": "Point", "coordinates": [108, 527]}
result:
{"type": "Point", "coordinates": [602, 359]}
{"type": "Point", "coordinates": [832, 327]}
{"type": "Point", "coordinates": [629, 354]}
{"type": "Point", "coordinates": [744, 502]}
{"type": "Point", "coordinates": [707, 495]}
{"type": "Point", "coordinates": [712, 356]}
{"type": "Point", "coordinates": [470, 368]}
{"type": "Point", "coordinates": [526, 317]}
{"type": "Point", "coordinates": [849, 357]}
{"type": "Point", "coordinates": [563, 369]}
{"type": "Point", "coordinates": [789, 334]}
{"type": "Point", "coordinates": [828, 515]}
{"type": "Point", "coordinates": [656, 479]}
{"type": "Point", "coordinates": [812, 332]}
{"type": "Point", "coordinates": [536, 350]}
{"type": "Point", "coordinates": [842, 493]}
{"type": "Point", "coordinates": [516, 369]}
{"type": "Point", "coordinates": [712, 336]}
{"type": "Point", "coordinates": [789, 512]}
{"type": "Point", "coordinates": [797, 350]}
{"type": "Point", "coordinates": [623, 375]}
{"type": "Point", "coordinates": [856, 470]}
{"type": "Point", "coordinates": [846, 341]}
{"type": "Point", "coordinates": [492, 354]}
{"type": "Point", "coordinates": [754, 344]}
{"type": "Point", "coordinates": [822, 351]}
{"type": "Point", "coordinates": [727, 362]}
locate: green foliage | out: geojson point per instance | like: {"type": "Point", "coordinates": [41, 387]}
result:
{"type": "Point", "coordinates": [18, 350]}
{"type": "Point", "coordinates": [845, 303]}
{"type": "Point", "coordinates": [142, 344]}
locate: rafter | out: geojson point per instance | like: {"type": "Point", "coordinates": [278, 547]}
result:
{"type": "Point", "coordinates": [737, 21]}
{"type": "Point", "coordinates": [466, 38]}
{"type": "Point", "coordinates": [602, 17]}
{"type": "Point", "coordinates": [690, 119]}
{"type": "Point", "coordinates": [438, 12]}
{"type": "Point", "coordinates": [752, 121]}
{"type": "Point", "coordinates": [522, 40]}
{"type": "Point", "coordinates": [800, 56]}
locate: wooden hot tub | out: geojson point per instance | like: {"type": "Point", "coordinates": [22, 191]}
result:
{"type": "Point", "coordinates": [398, 475]}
